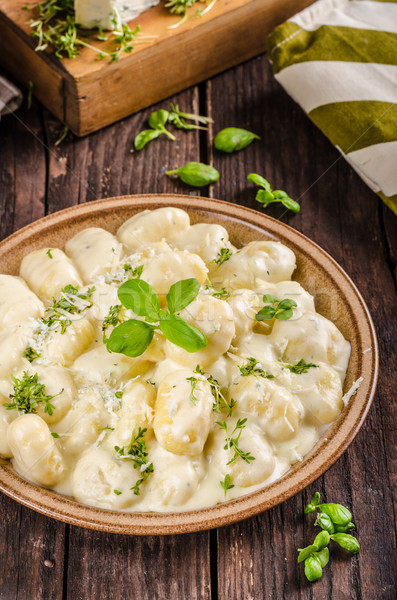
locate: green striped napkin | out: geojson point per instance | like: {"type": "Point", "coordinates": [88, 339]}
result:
{"type": "Point", "coordinates": [338, 60]}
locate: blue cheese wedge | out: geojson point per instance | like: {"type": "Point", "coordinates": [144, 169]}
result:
{"type": "Point", "coordinates": [108, 14]}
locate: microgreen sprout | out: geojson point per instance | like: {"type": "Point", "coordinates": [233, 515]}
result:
{"type": "Point", "coordinates": [267, 196]}
{"type": "Point", "coordinates": [276, 308]}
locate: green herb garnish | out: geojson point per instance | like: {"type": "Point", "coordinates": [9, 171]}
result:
{"type": "Point", "coordinates": [267, 196]}
{"type": "Point", "coordinates": [31, 354]}
{"type": "Point", "coordinates": [220, 401]}
{"type": "Point", "coordinates": [71, 302]}
{"type": "Point", "coordinates": [29, 394]}
{"type": "Point", "coordinates": [233, 139]}
{"type": "Point", "coordinates": [276, 308]}
{"type": "Point", "coordinates": [49, 253]}
{"type": "Point", "coordinates": [300, 367]}
{"type": "Point", "coordinates": [226, 484]}
{"type": "Point", "coordinates": [196, 174]}
{"type": "Point", "coordinates": [178, 119]}
{"type": "Point", "coordinates": [134, 272]}
{"type": "Point", "coordinates": [55, 435]}
{"type": "Point", "coordinates": [251, 368]}
{"type": "Point", "coordinates": [221, 294]}
{"type": "Point", "coordinates": [136, 451]}
{"type": "Point", "coordinates": [117, 492]}
{"type": "Point", "coordinates": [334, 520]}
{"type": "Point", "coordinates": [112, 319]}
{"type": "Point", "coordinates": [223, 255]}
{"type": "Point", "coordinates": [133, 336]}
{"type": "Point", "coordinates": [233, 442]}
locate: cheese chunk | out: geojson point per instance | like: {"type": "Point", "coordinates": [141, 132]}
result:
{"type": "Point", "coordinates": [109, 13]}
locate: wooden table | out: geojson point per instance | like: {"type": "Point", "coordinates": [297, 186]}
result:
{"type": "Point", "coordinates": [255, 559]}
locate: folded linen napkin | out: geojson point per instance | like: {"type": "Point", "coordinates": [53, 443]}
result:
{"type": "Point", "coordinates": [338, 60]}
{"type": "Point", "coordinates": [10, 97]}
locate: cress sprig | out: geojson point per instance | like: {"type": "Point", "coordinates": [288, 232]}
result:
{"type": "Point", "coordinates": [133, 336]}
{"type": "Point", "coordinates": [251, 368]}
{"type": "Point", "coordinates": [267, 196]}
{"type": "Point", "coordinates": [136, 452]}
{"type": "Point", "coordinates": [71, 302]}
{"type": "Point", "coordinates": [220, 402]}
{"type": "Point", "coordinates": [334, 520]}
{"type": "Point", "coordinates": [28, 394]}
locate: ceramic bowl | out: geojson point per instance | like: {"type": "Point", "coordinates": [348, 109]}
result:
{"type": "Point", "coordinates": [336, 298]}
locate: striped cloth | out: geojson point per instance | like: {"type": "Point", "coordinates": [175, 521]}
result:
{"type": "Point", "coordinates": [338, 60]}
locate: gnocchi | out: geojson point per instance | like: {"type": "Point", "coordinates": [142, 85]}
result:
{"type": "Point", "coordinates": [169, 429]}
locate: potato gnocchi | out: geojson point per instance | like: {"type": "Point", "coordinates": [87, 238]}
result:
{"type": "Point", "coordinates": [168, 430]}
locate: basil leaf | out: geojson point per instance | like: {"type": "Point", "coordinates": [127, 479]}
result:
{"type": "Point", "coordinates": [196, 174]}
{"type": "Point", "coordinates": [310, 508]}
{"type": "Point", "coordinates": [272, 299]}
{"type": "Point", "coordinates": [323, 557]}
{"type": "Point", "coordinates": [347, 541]}
{"type": "Point", "coordinates": [233, 139]}
{"type": "Point", "coordinates": [259, 180]}
{"type": "Point", "coordinates": [284, 315]}
{"type": "Point", "coordinates": [158, 119]}
{"type": "Point", "coordinates": [144, 137]}
{"type": "Point", "coordinates": [321, 540]}
{"type": "Point", "coordinates": [343, 528]}
{"type": "Point", "coordinates": [313, 569]}
{"type": "Point", "coordinates": [338, 514]}
{"type": "Point", "coordinates": [266, 313]}
{"type": "Point", "coordinates": [180, 333]}
{"type": "Point", "coordinates": [140, 297]}
{"type": "Point", "coordinates": [325, 523]}
{"type": "Point", "coordinates": [305, 552]}
{"type": "Point", "coordinates": [130, 338]}
{"type": "Point", "coordinates": [182, 293]}
{"type": "Point", "coordinates": [315, 499]}
{"type": "Point", "coordinates": [291, 204]}
{"type": "Point", "coordinates": [287, 303]}
{"type": "Point", "coordinates": [265, 197]}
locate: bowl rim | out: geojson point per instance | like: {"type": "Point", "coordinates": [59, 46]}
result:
{"type": "Point", "coordinates": [70, 511]}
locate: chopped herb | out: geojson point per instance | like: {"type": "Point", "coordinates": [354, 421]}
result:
{"type": "Point", "coordinates": [300, 367]}
{"type": "Point", "coordinates": [117, 492]}
{"type": "Point", "coordinates": [226, 484]}
{"type": "Point", "coordinates": [232, 442]}
{"type": "Point", "coordinates": [112, 319]}
{"type": "Point", "coordinates": [251, 368]}
{"type": "Point", "coordinates": [31, 354]}
{"type": "Point", "coordinates": [29, 394]}
{"type": "Point", "coordinates": [223, 255]}
{"type": "Point", "coordinates": [119, 394]}
{"type": "Point", "coordinates": [107, 428]}
{"type": "Point", "coordinates": [220, 401]}
{"type": "Point", "coordinates": [135, 272]}
{"type": "Point", "coordinates": [221, 294]}
{"type": "Point", "coordinates": [136, 451]}
{"type": "Point", "coordinates": [55, 435]}
{"type": "Point", "coordinates": [276, 308]}
{"type": "Point", "coordinates": [49, 253]}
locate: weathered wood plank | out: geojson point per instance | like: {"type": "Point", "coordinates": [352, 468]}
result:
{"type": "Point", "coordinates": [27, 539]}
{"type": "Point", "coordinates": [257, 558]}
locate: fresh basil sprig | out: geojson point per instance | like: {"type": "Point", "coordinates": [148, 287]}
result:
{"type": "Point", "coordinates": [334, 520]}
{"type": "Point", "coordinates": [196, 174]}
{"type": "Point", "coordinates": [276, 308]}
{"type": "Point", "coordinates": [267, 196]}
{"type": "Point", "coordinates": [233, 139]}
{"type": "Point", "coordinates": [133, 336]}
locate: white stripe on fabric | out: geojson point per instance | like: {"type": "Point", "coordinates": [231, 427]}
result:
{"type": "Point", "coordinates": [361, 14]}
{"type": "Point", "coordinates": [315, 83]}
{"type": "Point", "coordinates": [378, 164]}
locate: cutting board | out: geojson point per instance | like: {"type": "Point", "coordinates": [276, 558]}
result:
{"type": "Point", "coordinates": [87, 94]}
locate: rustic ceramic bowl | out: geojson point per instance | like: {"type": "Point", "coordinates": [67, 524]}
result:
{"type": "Point", "coordinates": [336, 298]}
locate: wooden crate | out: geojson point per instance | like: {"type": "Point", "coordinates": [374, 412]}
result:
{"type": "Point", "coordinates": [87, 94]}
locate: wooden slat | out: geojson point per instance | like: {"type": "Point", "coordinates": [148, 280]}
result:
{"type": "Point", "coordinates": [27, 539]}
{"type": "Point", "coordinates": [257, 558]}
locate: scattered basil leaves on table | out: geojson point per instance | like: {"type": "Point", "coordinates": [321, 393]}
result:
{"type": "Point", "coordinates": [233, 139]}
{"type": "Point", "coordinates": [267, 196]}
{"type": "Point", "coordinates": [132, 337]}
{"type": "Point", "coordinates": [332, 517]}
{"type": "Point", "coordinates": [196, 174]}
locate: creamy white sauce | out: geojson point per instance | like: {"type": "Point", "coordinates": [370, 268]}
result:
{"type": "Point", "coordinates": [107, 397]}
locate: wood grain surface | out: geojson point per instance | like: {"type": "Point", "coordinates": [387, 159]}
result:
{"type": "Point", "coordinates": [255, 559]}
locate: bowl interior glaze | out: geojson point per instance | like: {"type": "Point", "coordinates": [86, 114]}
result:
{"type": "Point", "coordinates": [336, 298]}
